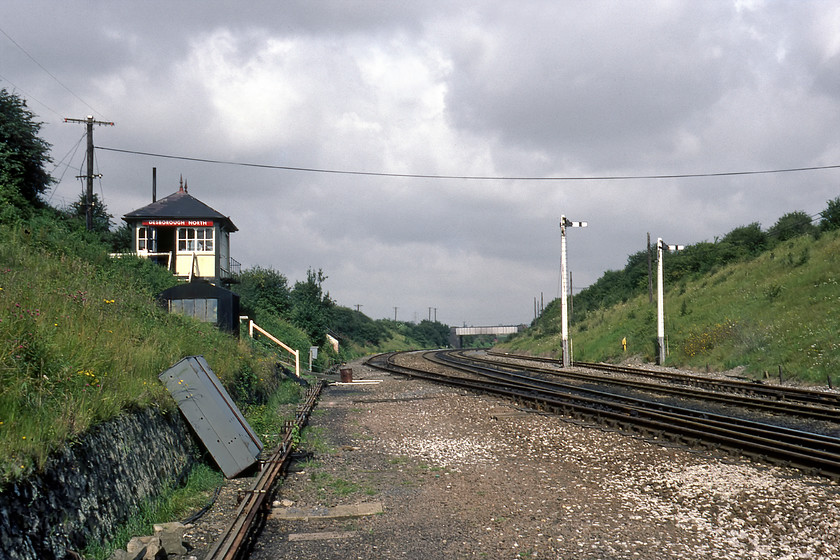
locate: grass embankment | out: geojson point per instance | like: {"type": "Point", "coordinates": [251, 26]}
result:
{"type": "Point", "coordinates": [781, 308]}
{"type": "Point", "coordinates": [81, 339]}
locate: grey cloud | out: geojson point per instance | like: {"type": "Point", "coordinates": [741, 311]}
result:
{"type": "Point", "coordinates": [529, 88]}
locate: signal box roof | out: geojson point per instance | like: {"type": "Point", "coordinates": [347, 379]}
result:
{"type": "Point", "coordinates": [180, 206]}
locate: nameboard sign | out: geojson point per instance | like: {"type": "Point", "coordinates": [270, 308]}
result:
{"type": "Point", "coordinates": [192, 223]}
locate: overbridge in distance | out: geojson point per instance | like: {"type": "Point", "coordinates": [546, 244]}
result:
{"type": "Point", "coordinates": [457, 334]}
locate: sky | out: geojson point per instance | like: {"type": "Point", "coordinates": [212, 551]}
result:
{"type": "Point", "coordinates": [512, 114]}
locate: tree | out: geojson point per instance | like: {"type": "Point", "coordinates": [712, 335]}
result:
{"type": "Point", "coordinates": [311, 306]}
{"type": "Point", "coordinates": [102, 220]}
{"type": "Point", "coordinates": [748, 239]}
{"type": "Point", "coordinates": [122, 239]}
{"type": "Point", "coordinates": [431, 334]}
{"type": "Point", "coordinates": [23, 154]}
{"type": "Point", "coordinates": [831, 216]}
{"type": "Point", "coordinates": [264, 290]}
{"type": "Point", "coordinates": [792, 224]}
{"type": "Point", "coordinates": [356, 326]}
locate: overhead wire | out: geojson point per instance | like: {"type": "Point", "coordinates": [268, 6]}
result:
{"type": "Point", "coordinates": [50, 74]}
{"type": "Point", "coordinates": [98, 176]}
{"type": "Point", "coordinates": [74, 149]}
{"type": "Point", "coordinates": [29, 96]}
{"type": "Point", "coordinates": [411, 175]}
{"type": "Point", "coordinates": [472, 177]}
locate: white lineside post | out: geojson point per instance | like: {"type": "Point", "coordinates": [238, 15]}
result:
{"type": "Point", "coordinates": [252, 326]}
{"type": "Point", "coordinates": [661, 247]}
{"type": "Point", "coordinates": [660, 304]}
{"type": "Point", "coordinates": [564, 308]}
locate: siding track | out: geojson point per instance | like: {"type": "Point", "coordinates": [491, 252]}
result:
{"type": "Point", "coordinates": [641, 410]}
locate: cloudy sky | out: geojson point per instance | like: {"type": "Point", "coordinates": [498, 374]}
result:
{"type": "Point", "coordinates": [542, 104]}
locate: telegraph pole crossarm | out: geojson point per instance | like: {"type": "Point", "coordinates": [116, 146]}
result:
{"type": "Point", "coordinates": [89, 177]}
{"type": "Point", "coordinates": [564, 308]}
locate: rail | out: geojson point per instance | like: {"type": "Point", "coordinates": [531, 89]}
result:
{"type": "Point", "coordinates": [807, 404]}
{"type": "Point", "coordinates": [807, 450]}
{"type": "Point", "coordinates": [754, 387]}
{"type": "Point", "coordinates": [749, 387]}
{"type": "Point", "coordinates": [252, 326]}
{"type": "Point", "coordinates": [232, 543]}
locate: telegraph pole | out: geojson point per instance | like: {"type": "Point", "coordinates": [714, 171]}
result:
{"type": "Point", "coordinates": [89, 177]}
{"type": "Point", "coordinates": [563, 288]}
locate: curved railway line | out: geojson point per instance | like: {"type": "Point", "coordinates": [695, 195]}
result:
{"type": "Point", "coordinates": [813, 405]}
{"type": "Point", "coordinates": [668, 411]}
{"type": "Point", "coordinates": [754, 388]}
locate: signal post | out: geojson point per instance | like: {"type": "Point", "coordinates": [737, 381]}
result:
{"type": "Point", "coordinates": [564, 308]}
{"type": "Point", "coordinates": [661, 247]}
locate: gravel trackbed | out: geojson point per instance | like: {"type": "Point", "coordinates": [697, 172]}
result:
{"type": "Point", "coordinates": [458, 475]}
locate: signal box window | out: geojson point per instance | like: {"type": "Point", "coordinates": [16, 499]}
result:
{"type": "Point", "coordinates": [146, 239]}
{"type": "Point", "coordinates": [195, 239]}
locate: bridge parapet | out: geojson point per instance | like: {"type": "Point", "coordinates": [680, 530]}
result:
{"type": "Point", "coordinates": [456, 334]}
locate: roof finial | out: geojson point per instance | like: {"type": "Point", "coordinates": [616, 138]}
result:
{"type": "Point", "coordinates": [181, 184]}
{"type": "Point", "coordinates": [185, 186]}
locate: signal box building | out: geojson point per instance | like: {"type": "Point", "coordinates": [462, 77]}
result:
{"type": "Point", "coordinates": [193, 241]}
{"type": "Point", "coordinates": [186, 236]}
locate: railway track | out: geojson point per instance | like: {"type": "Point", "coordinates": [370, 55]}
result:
{"type": "Point", "coordinates": [807, 450]}
{"type": "Point", "coordinates": [754, 388]}
{"type": "Point", "coordinates": [234, 541]}
{"type": "Point", "coordinates": [804, 403]}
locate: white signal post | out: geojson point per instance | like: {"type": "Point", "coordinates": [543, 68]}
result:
{"type": "Point", "coordinates": [661, 247]}
{"type": "Point", "coordinates": [564, 308]}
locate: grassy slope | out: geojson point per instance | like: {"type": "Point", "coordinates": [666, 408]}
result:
{"type": "Point", "coordinates": [81, 341]}
{"type": "Point", "coordinates": [779, 309]}
{"type": "Point", "coordinates": [395, 342]}
{"type": "Point", "coordinates": [398, 338]}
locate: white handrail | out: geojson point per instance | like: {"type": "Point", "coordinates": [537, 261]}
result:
{"type": "Point", "coordinates": [146, 254]}
{"type": "Point", "coordinates": [253, 326]}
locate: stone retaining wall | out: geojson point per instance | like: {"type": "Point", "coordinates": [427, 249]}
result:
{"type": "Point", "coordinates": [92, 486]}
